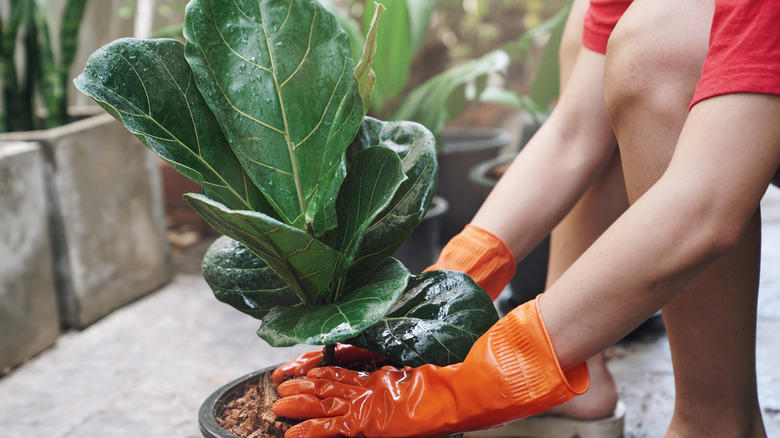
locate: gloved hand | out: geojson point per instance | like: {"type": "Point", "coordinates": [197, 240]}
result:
{"type": "Point", "coordinates": [346, 354]}
{"type": "Point", "coordinates": [510, 373]}
{"type": "Point", "coordinates": [480, 254]}
{"type": "Point", "coordinates": [477, 252]}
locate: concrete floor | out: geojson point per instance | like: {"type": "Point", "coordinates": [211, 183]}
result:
{"type": "Point", "coordinates": [144, 370]}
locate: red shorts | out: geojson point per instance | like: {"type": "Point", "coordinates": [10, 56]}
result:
{"type": "Point", "coordinates": [744, 53]}
{"type": "Point", "coordinates": [600, 19]}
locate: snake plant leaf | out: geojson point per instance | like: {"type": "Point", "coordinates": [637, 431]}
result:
{"type": "Point", "coordinates": [305, 264]}
{"type": "Point", "coordinates": [240, 278]}
{"type": "Point", "coordinates": [373, 178]}
{"type": "Point", "coordinates": [437, 320]}
{"type": "Point", "coordinates": [358, 308]}
{"type": "Point", "coordinates": [149, 87]}
{"type": "Point", "coordinates": [72, 17]}
{"type": "Point", "coordinates": [416, 146]}
{"type": "Point", "coordinates": [266, 68]}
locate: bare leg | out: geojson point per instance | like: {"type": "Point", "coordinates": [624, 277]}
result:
{"type": "Point", "coordinates": [604, 201]}
{"type": "Point", "coordinates": [654, 60]}
{"type": "Point", "coordinates": [601, 204]}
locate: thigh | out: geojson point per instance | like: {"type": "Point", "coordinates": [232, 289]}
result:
{"type": "Point", "coordinates": [653, 64]}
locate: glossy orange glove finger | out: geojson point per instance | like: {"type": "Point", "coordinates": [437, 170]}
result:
{"type": "Point", "coordinates": [480, 254]}
{"type": "Point", "coordinates": [301, 365]}
{"type": "Point", "coordinates": [510, 373]}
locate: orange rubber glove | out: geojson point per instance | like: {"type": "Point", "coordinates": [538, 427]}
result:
{"type": "Point", "coordinates": [480, 254]}
{"type": "Point", "coordinates": [477, 252]}
{"type": "Point", "coordinates": [510, 373]}
{"type": "Point", "coordinates": [346, 354]}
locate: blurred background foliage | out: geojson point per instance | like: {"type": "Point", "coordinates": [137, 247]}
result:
{"type": "Point", "coordinates": [459, 30]}
{"type": "Point", "coordinates": [466, 29]}
{"type": "Point", "coordinates": [456, 33]}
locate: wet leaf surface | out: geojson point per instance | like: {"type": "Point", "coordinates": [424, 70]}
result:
{"type": "Point", "coordinates": [436, 321]}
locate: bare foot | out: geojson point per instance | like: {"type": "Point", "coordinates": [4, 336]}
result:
{"type": "Point", "coordinates": [599, 401]}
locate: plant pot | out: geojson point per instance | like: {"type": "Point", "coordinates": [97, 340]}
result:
{"type": "Point", "coordinates": [461, 149]}
{"type": "Point", "coordinates": [531, 274]}
{"type": "Point", "coordinates": [105, 216]}
{"type": "Point", "coordinates": [422, 248]}
{"type": "Point", "coordinates": [213, 406]}
{"type": "Point", "coordinates": [28, 314]}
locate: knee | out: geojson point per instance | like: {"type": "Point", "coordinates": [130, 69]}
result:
{"type": "Point", "coordinates": [654, 58]}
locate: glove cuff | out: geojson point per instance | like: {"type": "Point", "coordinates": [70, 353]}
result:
{"type": "Point", "coordinates": [526, 358]}
{"type": "Point", "coordinates": [480, 254]}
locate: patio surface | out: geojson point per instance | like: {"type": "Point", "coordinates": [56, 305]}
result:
{"type": "Point", "coordinates": [144, 370]}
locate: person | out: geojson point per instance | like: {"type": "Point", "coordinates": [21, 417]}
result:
{"type": "Point", "coordinates": [688, 243]}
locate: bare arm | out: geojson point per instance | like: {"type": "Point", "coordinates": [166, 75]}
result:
{"type": "Point", "coordinates": [556, 167]}
{"type": "Point", "coordinates": [727, 154]}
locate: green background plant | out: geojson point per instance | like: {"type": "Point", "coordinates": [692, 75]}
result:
{"type": "Point", "coordinates": [43, 73]}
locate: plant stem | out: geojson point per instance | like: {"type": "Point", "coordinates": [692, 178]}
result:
{"type": "Point", "coordinates": [329, 356]}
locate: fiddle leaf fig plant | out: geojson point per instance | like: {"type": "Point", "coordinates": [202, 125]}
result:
{"type": "Point", "coordinates": [264, 107]}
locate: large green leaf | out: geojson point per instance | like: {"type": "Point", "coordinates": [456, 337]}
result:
{"type": "Point", "coordinates": [362, 305]}
{"type": "Point", "coordinates": [240, 278]}
{"type": "Point", "coordinates": [373, 178]}
{"type": "Point", "coordinates": [303, 262]}
{"type": "Point", "coordinates": [148, 86]}
{"type": "Point", "coordinates": [417, 148]}
{"type": "Point", "coordinates": [278, 75]}
{"type": "Point", "coordinates": [349, 25]}
{"type": "Point", "coordinates": [437, 320]}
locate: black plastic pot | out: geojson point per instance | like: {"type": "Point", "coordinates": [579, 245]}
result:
{"type": "Point", "coordinates": [216, 402]}
{"type": "Point", "coordinates": [461, 149]}
{"type": "Point", "coordinates": [422, 248]}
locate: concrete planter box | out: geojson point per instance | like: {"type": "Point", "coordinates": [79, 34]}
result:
{"type": "Point", "coordinates": [105, 214]}
{"type": "Point", "coordinates": [28, 303]}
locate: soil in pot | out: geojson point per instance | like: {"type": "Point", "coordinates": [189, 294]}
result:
{"type": "Point", "coordinates": [250, 415]}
